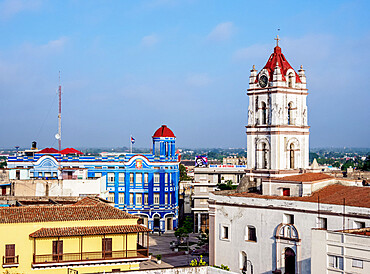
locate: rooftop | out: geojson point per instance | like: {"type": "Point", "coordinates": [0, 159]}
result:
{"type": "Point", "coordinates": [163, 131]}
{"type": "Point", "coordinates": [306, 177]}
{"type": "Point", "coordinates": [332, 194]}
{"type": "Point", "coordinates": [84, 210]}
{"type": "Point", "coordinates": [87, 230]}
{"type": "Point", "coordinates": [278, 58]}
{"type": "Point", "coordinates": [359, 231]}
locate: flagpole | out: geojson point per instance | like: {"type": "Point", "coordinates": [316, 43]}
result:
{"type": "Point", "coordinates": [130, 143]}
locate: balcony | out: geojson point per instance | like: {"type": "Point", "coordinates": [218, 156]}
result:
{"type": "Point", "coordinates": [90, 257]}
{"type": "Point", "coordinates": [10, 261]}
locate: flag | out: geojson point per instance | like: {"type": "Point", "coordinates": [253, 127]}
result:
{"type": "Point", "coordinates": [132, 140]}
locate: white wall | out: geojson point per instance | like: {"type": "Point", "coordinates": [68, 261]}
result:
{"type": "Point", "coordinates": [266, 215]}
{"type": "Point", "coordinates": [345, 245]}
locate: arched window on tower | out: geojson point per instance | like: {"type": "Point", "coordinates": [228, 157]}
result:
{"type": "Point", "coordinates": [264, 156]}
{"type": "Point", "coordinates": [290, 118]}
{"type": "Point", "coordinates": [264, 114]}
{"type": "Point", "coordinates": [291, 156]}
{"type": "Point", "coordinates": [290, 79]}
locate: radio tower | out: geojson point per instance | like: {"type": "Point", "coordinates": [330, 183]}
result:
{"type": "Point", "coordinates": [59, 135]}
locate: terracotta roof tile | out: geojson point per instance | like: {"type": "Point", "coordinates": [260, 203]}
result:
{"type": "Point", "coordinates": [33, 214]}
{"type": "Point", "coordinates": [90, 201]}
{"type": "Point", "coordinates": [87, 230]}
{"type": "Point", "coordinates": [306, 177]}
{"type": "Point", "coordinates": [332, 194]}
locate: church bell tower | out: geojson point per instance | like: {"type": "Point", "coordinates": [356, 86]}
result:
{"type": "Point", "coordinates": [277, 130]}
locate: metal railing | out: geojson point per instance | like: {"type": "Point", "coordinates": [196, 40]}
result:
{"type": "Point", "coordinates": [9, 260]}
{"type": "Point", "coordinates": [90, 256]}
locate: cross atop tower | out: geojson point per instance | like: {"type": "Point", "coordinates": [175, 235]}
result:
{"type": "Point", "coordinates": [277, 40]}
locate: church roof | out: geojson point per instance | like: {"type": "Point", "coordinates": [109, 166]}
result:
{"type": "Point", "coordinates": [332, 194]}
{"type": "Point", "coordinates": [306, 177]}
{"type": "Point", "coordinates": [163, 131]}
{"type": "Point", "coordinates": [279, 58]}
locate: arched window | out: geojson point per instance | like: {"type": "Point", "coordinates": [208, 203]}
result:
{"type": "Point", "coordinates": [243, 261]}
{"type": "Point", "coordinates": [291, 156]}
{"type": "Point", "coordinates": [291, 79]}
{"type": "Point", "coordinates": [264, 156]}
{"type": "Point", "coordinates": [264, 114]}
{"type": "Point", "coordinates": [290, 118]}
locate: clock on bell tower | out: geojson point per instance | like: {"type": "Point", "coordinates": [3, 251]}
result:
{"type": "Point", "coordinates": [277, 130]}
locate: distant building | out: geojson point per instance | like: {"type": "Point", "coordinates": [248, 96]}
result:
{"type": "Point", "coordinates": [88, 236]}
{"type": "Point", "coordinates": [141, 184]}
{"type": "Point", "coordinates": [233, 160]}
{"type": "Point", "coordinates": [205, 181]}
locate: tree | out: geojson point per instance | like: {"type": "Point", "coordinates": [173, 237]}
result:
{"type": "Point", "coordinates": [228, 185]}
{"type": "Point", "coordinates": [184, 230]}
{"type": "Point", "coordinates": [347, 164]}
{"type": "Point", "coordinates": [183, 174]}
{"type": "Point", "coordinates": [366, 166]}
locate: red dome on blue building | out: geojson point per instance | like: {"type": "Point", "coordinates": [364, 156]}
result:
{"type": "Point", "coordinates": [163, 131]}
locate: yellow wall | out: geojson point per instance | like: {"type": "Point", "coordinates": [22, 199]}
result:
{"type": "Point", "coordinates": [18, 234]}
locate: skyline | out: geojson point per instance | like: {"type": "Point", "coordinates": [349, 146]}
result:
{"type": "Point", "coordinates": [128, 68]}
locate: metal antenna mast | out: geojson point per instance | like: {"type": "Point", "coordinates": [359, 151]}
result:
{"type": "Point", "coordinates": [59, 135]}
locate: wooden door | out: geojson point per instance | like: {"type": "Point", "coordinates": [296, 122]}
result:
{"type": "Point", "coordinates": [10, 254]}
{"type": "Point", "coordinates": [57, 251]}
{"type": "Point", "coordinates": [107, 247]}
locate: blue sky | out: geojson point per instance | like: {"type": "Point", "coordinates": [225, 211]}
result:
{"type": "Point", "coordinates": [130, 66]}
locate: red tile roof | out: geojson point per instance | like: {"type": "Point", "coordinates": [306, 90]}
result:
{"type": "Point", "coordinates": [359, 231]}
{"type": "Point", "coordinates": [70, 150]}
{"type": "Point", "coordinates": [91, 201]}
{"type": "Point", "coordinates": [278, 57]}
{"type": "Point", "coordinates": [332, 194]}
{"type": "Point", "coordinates": [87, 230]}
{"type": "Point", "coordinates": [48, 150]}
{"type": "Point", "coordinates": [306, 177]}
{"type": "Point", "coordinates": [163, 131]}
{"type": "Point", "coordinates": [35, 214]}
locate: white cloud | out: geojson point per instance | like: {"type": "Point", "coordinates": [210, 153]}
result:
{"type": "Point", "coordinates": [150, 40]}
{"type": "Point", "coordinates": [198, 80]}
{"type": "Point", "coordinates": [9, 8]}
{"type": "Point", "coordinates": [55, 45]}
{"type": "Point", "coordinates": [222, 32]}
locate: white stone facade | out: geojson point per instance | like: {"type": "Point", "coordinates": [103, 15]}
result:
{"type": "Point", "coordinates": [340, 252]}
{"type": "Point", "coordinates": [271, 220]}
{"type": "Point", "coordinates": [277, 131]}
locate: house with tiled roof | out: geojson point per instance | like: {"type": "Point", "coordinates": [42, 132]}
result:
{"type": "Point", "coordinates": [90, 236]}
{"type": "Point", "coordinates": [144, 184]}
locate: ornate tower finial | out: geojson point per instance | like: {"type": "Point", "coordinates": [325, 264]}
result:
{"type": "Point", "coordinates": [277, 40]}
{"type": "Point", "coordinates": [254, 67]}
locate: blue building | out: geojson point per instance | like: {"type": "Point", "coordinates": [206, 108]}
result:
{"type": "Point", "coordinates": [142, 184]}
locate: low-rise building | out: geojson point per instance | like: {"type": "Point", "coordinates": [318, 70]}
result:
{"type": "Point", "coordinates": [141, 184]}
{"type": "Point", "coordinates": [343, 251]}
{"type": "Point", "coordinates": [272, 234]}
{"type": "Point", "coordinates": [205, 181]}
{"type": "Point", "coordinates": [88, 236]}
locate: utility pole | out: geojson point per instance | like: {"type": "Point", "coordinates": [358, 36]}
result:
{"type": "Point", "coordinates": [59, 135]}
